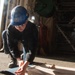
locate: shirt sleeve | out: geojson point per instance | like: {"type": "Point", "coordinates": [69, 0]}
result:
{"type": "Point", "coordinates": [12, 43]}
{"type": "Point", "coordinates": [32, 45]}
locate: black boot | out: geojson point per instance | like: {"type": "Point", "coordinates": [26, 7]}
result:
{"type": "Point", "coordinates": [2, 49]}
{"type": "Point", "coordinates": [13, 63]}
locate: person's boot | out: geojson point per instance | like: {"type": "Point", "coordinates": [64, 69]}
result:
{"type": "Point", "coordinates": [2, 49]}
{"type": "Point", "coordinates": [13, 63]}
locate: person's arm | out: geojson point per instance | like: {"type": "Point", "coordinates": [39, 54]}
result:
{"type": "Point", "coordinates": [12, 43]}
{"type": "Point", "coordinates": [32, 44]}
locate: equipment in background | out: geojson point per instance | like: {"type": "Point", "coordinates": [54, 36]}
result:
{"type": "Point", "coordinates": [44, 8]}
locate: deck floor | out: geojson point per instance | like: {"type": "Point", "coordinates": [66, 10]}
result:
{"type": "Point", "coordinates": [43, 66]}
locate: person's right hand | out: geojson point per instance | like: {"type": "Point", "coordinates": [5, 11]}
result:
{"type": "Point", "coordinates": [22, 67]}
{"type": "Point", "coordinates": [18, 72]}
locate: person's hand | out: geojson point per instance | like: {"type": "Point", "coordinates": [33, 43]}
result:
{"type": "Point", "coordinates": [20, 71]}
{"type": "Point", "coordinates": [20, 63]}
{"type": "Point", "coordinates": [22, 67]}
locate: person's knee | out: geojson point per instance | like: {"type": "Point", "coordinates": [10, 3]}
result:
{"type": "Point", "coordinates": [4, 34]}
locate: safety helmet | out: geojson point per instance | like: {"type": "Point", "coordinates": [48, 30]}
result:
{"type": "Point", "coordinates": [19, 15]}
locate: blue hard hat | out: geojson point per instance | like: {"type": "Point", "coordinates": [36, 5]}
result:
{"type": "Point", "coordinates": [19, 15]}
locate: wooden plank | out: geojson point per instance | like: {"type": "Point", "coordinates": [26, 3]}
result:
{"type": "Point", "coordinates": [7, 21]}
{"type": "Point", "coordinates": [25, 3]}
{"type": "Point", "coordinates": [1, 21]}
{"type": "Point", "coordinates": [22, 2]}
{"type": "Point", "coordinates": [17, 2]}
